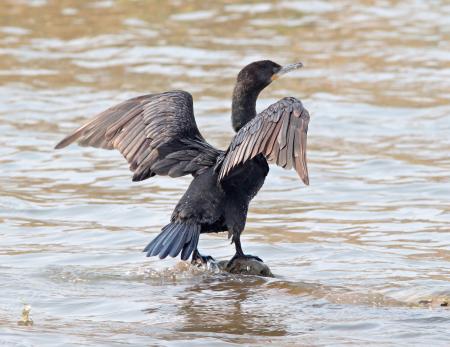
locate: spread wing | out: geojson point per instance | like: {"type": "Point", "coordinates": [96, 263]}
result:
{"type": "Point", "coordinates": [279, 133]}
{"type": "Point", "coordinates": [156, 133]}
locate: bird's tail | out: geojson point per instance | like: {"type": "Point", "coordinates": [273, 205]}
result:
{"type": "Point", "coordinates": [173, 239]}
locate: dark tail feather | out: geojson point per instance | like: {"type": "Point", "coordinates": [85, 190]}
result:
{"type": "Point", "coordinates": [193, 242]}
{"type": "Point", "coordinates": [153, 245]}
{"type": "Point", "coordinates": [173, 239]}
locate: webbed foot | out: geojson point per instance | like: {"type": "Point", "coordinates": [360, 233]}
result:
{"type": "Point", "coordinates": [199, 259]}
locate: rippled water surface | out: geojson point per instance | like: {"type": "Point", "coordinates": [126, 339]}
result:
{"type": "Point", "coordinates": [361, 256]}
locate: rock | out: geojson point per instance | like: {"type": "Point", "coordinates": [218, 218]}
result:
{"type": "Point", "coordinates": [435, 302]}
{"type": "Point", "coordinates": [246, 267]}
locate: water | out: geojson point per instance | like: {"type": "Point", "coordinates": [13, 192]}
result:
{"type": "Point", "coordinates": [361, 256]}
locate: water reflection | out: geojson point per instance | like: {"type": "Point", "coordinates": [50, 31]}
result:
{"type": "Point", "coordinates": [229, 305]}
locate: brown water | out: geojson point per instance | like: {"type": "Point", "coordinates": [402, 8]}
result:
{"type": "Point", "coordinates": [361, 256]}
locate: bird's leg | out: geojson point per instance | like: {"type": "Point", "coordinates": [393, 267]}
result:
{"type": "Point", "coordinates": [239, 253]}
{"type": "Point", "coordinates": [198, 259]}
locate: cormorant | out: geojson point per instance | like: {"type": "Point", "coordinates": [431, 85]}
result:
{"type": "Point", "coordinates": [157, 134]}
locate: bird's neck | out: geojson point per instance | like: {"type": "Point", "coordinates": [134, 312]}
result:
{"type": "Point", "coordinates": [243, 108]}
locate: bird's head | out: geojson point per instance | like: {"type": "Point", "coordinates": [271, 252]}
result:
{"type": "Point", "coordinates": [260, 74]}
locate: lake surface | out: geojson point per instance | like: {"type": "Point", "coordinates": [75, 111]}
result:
{"type": "Point", "coordinates": [361, 256]}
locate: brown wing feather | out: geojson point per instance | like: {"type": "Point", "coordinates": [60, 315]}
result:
{"type": "Point", "coordinates": [279, 133]}
{"type": "Point", "coordinates": [146, 130]}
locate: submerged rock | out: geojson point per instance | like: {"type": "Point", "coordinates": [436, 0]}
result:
{"type": "Point", "coordinates": [245, 267]}
{"type": "Point", "coordinates": [435, 302]}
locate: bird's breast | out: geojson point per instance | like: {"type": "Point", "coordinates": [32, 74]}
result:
{"type": "Point", "coordinates": [247, 179]}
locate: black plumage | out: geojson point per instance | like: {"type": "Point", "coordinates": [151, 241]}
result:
{"type": "Point", "coordinates": [157, 134]}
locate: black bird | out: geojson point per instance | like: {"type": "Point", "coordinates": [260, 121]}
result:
{"type": "Point", "coordinates": [157, 134]}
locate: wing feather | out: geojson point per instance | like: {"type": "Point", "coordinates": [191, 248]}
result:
{"type": "Point", "coordinates": [148, 130]}
{"type": "Point", "coordinates": [279, 133]}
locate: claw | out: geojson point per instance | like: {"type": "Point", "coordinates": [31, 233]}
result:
{"type": "Point", "coordinates": [199, 260]}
